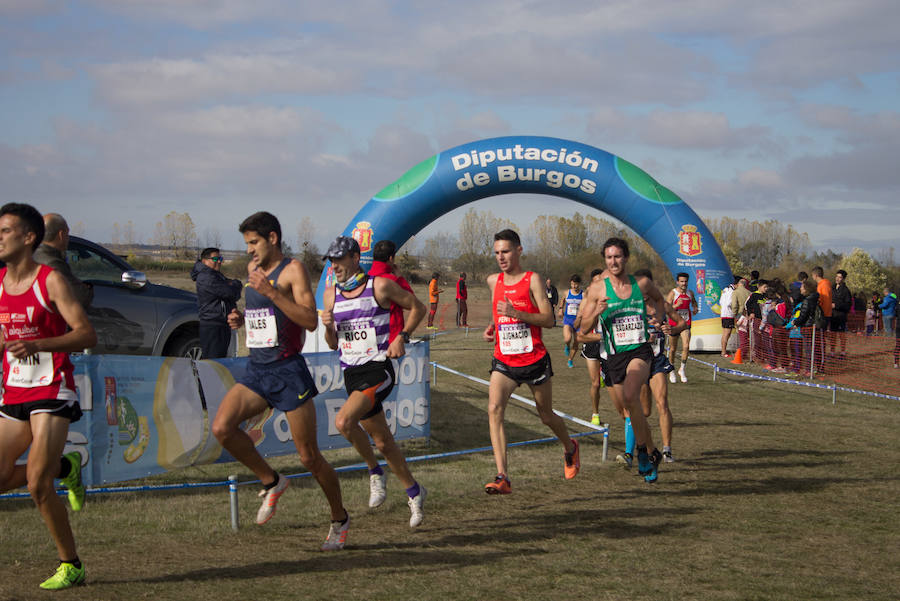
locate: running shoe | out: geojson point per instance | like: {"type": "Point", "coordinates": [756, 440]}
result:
{"type": "Point", "coordinates": [337, 535]}
{"type": "Point", "coordinates": [672, 377]}
{"type": "Point", "coordinates": [566, 350]}
{"type": "Point", "coordinates": [625, 458]}
{"type": "Point", "coordinates": [572, 462]}
{"type": "Point", "coordinates": [417, 507]}
{"type": "Point", "coordinates": [270, 500]}
{"type": "Point", "coordinates": [644, 466]}
{"type": "Point", "coordinates": [667, 455]}
{"type": "Point", "coordinates": [682, 375]}
{"type": "Point", "coordinates": [73, 482]}
{"type": "Point", "coordinates": [66, 576]}
{"type": "Point", "coordinates": [655, 459]}
{"type": "Point", "coordinates": [571, 364]}
{"type": "Point", "coordinates": [377, 491]}
{"type": "Point", "coordinates": [595, 419]}
{"type": "Point", "coordinates": [500, 486]}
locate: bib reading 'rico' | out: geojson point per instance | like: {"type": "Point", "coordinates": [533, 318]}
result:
{"type": "Point", "coordinates": [362, 326]}
{"type": "Point", "coordinates": [516, 343]}
{"type": "Point", "coordinates": [29, 316]}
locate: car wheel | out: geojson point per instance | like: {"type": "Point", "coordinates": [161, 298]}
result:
{"type": "Point", "coordinates": [186, 345]}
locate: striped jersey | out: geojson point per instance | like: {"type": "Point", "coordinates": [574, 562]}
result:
{"type": "Point", "coordinates": [362, 327]}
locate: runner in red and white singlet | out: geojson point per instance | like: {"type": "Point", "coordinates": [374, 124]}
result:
{"type": "Point", "coordinates": [685, 304]}
{"type": "Point", "coordinates": [40, 322]}
{"type": "Point", "coordinates": [520, 310]}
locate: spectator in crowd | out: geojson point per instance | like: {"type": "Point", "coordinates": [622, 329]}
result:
{"type": "Point", "coordinates": [753, 310]}
{"type": "Point", "coordinates": [553, 297]}
{"type": "Point", "coordinates": [217, 296]}
{"type": "Point", "coordinates": [811, 314]}
{"type": "Point", "coordinates": [841, 302]}
{"type": "Point", "coordinates": [795, 287]}
{"type": "Point", "coordinates": [876, 303]}
{"type": "Point", "coordinates": [897, 344]}
{"type": "Point", "coordinates": [52, 253]}
{"type": "Point", "coordinates": [870, 318]}
{"type": "Point", "coordinates": [823, 287]}
{"type": "Point", "coordinates": [777, 317]}
{"type": "Point", "coordinates": [383, 265]}
{"type": "Point", "coordinates": [888, 310]}
{"type": "Point", "coordinates": [462, 295]}
{"type": "Point", "coordinates": [434, 292]}
{"type": "Point", "coordinates": [795, 333]}
{"type": "Point", "coordinates": [754, 281]}
{"type": "Point", "coordinates": [727, 314]}
{"type": "Point", "coordinates": [738, 303]}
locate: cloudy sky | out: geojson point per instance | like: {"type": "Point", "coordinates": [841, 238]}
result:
{"type": "Point", "coordinates": [122, 110]}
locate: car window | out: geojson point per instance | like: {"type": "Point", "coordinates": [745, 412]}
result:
{"type": "Point", "coordinates": [89, 265]}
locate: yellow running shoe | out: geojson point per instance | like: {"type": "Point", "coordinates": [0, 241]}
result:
{"type": "Point", "coordinates": [66, 576]}
{"type": "Point", "coordinates": [73, 481]}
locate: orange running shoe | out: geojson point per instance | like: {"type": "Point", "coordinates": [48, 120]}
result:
{"type": "Point", "coordinates": [573, 462]}
{"type": "Point", "coordinates": [500, 486]}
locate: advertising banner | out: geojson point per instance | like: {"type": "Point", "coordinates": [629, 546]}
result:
{"type": "Point", "coordinates": [148, 415]}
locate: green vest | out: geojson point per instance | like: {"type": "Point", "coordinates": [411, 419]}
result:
{"type": "Point", "coordinates": [625, 320]}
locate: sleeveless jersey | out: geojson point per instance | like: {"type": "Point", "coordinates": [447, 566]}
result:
{"type": "Point", "coordinates": [570, 307]}
{"type": "Point", "coordinates": [362, 326]}
{"type": "Point", "coordinates": [29, 316]}
{"type": "Point", "coordinates": [516, 343]}
{"type": "Point", "coordinates": [657, 339]}
{"type": "Point", "coordinates": [682, 304]}
{"type": "Point", "coordinates": [271, 335]}
{"type": "Point", "coordinates": [625, 320]}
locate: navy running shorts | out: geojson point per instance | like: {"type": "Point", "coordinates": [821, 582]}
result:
{"type": "Point", "coordinates": [284, 384]}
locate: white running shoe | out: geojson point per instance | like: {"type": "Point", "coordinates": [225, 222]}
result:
{"type": "Point", "coordinates": [337, 535]}
{"type": "Point", "coordinates": [681, 374]}
{"type": "Point", "coordinates": [417, 507]}
{"type": "Point", "coordinates": [270, 500]}
{"type": "Point", "coordinates": [377, 492]}
{"type": "Point", "coordinates": [672, 377]}
{"type": "Point", "coordinates": [667, 456]}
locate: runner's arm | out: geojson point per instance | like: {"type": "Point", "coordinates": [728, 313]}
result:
{"type": "Point", "coordinates": [293, 295]}
{"type": "Point", "coordinates": [328, 318]}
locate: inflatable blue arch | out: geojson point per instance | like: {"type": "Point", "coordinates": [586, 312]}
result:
{"type": "Point", "coordinates": [542, 165]}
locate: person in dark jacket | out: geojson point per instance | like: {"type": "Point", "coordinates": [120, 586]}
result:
{"type": "Point", "coordinates": [52, 253]}
{"type": "Point", "coordinates": [809, 314]}
{"type": "Point", "coordinates": [216, 297]}
{"type": "Point", "coordinates": [841, 301]}
{"type": "Point", "coordinates": [553, 297]}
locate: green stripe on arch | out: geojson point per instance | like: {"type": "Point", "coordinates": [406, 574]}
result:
{"type": "Point", "coordinates": [643, 185]}
{"type": "Point", "coordinates": [409, 182]}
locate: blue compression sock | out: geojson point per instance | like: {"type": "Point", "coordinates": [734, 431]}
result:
{"type": "Point", "coordinates": [376, 471]}
{"type": "Point", "coordinates": [629, 437]}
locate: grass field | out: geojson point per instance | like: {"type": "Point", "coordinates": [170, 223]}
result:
{"type": "Point", "coordinates": [775, 494]}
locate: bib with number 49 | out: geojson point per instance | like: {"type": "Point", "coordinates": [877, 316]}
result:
{"type": "Point", "coordinates": [30, 372]}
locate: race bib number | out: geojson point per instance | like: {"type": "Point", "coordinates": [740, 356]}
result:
{"type": "Point", "coordinates": [515, 338]}
{"type": "Point", "coordinates": [572, 309]}
{"type": "Point", "coordinates": [262, 329]}
{"type": "Point", "coordinates": [628, 329]}
{"type": "Point", "coordinates": [356, 339]}
{"type": "Point", "coordinates": [30, 372]}
{"type": "Point", "coordinates": [685, 314]}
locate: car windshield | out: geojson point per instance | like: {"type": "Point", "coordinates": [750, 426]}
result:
{"type": "Point", "coordinates": [89, 265]}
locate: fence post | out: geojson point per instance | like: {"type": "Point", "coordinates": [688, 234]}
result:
{"type": "Point", "coordinates": [605, 443]}
{"type": "Point", "coordinates": [715, 371]}
{"type": "Point", "coordinates": [834, 394]}
{"type": "Point", "coordinates": [812, 354]}
{"type": "Point", "coordinates": [233, 496]}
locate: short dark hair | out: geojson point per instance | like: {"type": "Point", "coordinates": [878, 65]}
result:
{"type": "Point", "coordinates": [595, 272]}
{"type": "Point", "coordinates": [737, 279]}
{"type": "Point", "coordinates": [575, 278]}
{"type": "Point", "coordinates": [681, 274]}
{"type": "Point", "coordinates": [618, 242]}
{"type": "Point", "coordinates": [843, 273]}
{"type": "Point", "coordinates": [508, 235]}
{"type": "Point", "coordinates": [30, 217]}
{"type": "Point", "coordinates": [208, 252]}
{"type": "Point", "coordinates": [754, 275]}
{"type": "Point", "coordinates": [802, 276]}
{"type": "Point", "coordinates": [435, 275]}
{"type": "Point", "coordinates": [384, 250]}
{"type": "Point", "coordinates": [644, 273]}
{"type": "Point", "coordinates": [762, 283]}
{"type": "Point", "coordinates": [263, 223]}
{"type": "Point", "coordinates": [817, 270]}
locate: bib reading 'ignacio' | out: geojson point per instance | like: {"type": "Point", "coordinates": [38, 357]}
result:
{"type": "Point", "coordinates": [516, 343]}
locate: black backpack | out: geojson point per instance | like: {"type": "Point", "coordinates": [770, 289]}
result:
{"type": "Point", "coordinates": [774, 319]}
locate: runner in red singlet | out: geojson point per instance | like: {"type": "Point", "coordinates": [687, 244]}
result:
{"type": "Point", "coordinates": [520, 309]}
{"type": "Point", "coordinates": [40, 322]}
{"type": "Point", "coordinates": [685, 303]}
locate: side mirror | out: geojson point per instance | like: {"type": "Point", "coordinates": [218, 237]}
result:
{"type": "Point", "coordinates": [134, 279]}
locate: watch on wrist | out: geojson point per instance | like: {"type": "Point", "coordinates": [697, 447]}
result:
{"type": "Point", "coordinates": [405, 335]}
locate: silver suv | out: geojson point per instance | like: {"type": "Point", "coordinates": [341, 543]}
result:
{"type": "Point", "coordinates": [131, 315]}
